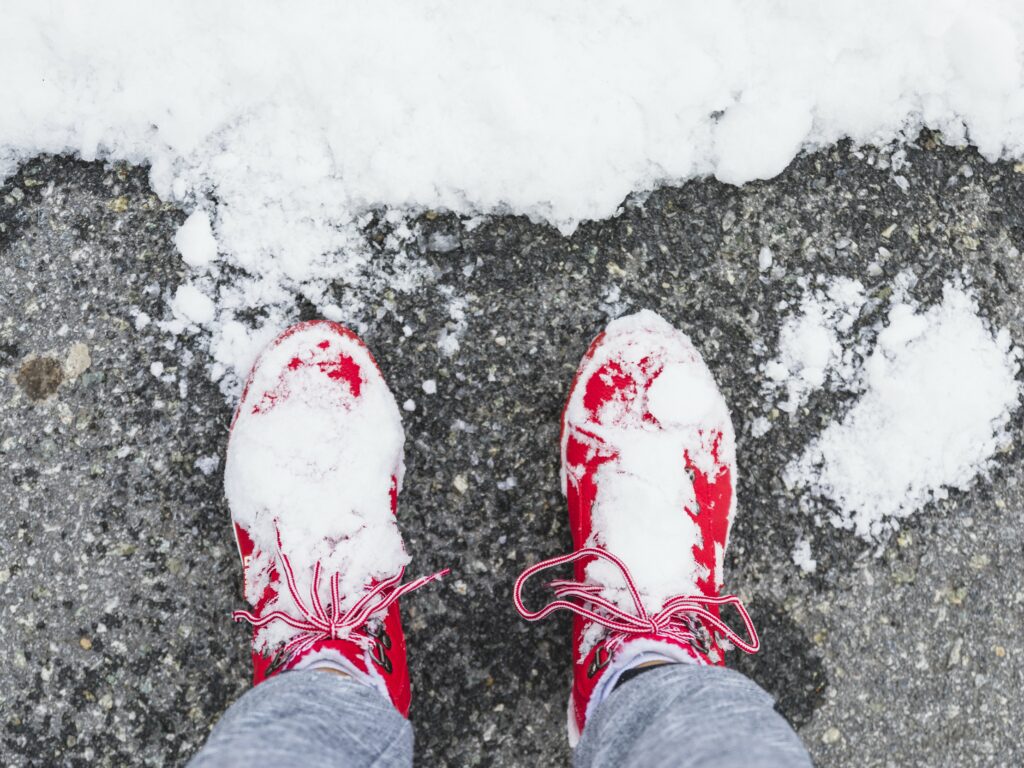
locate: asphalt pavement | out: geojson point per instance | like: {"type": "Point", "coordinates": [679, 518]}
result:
{"type": "Point", "coordinates": [118, 571]}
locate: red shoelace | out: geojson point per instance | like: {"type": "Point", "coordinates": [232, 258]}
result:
{"type": "Point", "coordinates": [675, 620]}
{"type": "Point", "coordinates": [318, 623]}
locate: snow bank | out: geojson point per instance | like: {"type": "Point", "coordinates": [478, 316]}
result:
{"type": "Point", "coordinates": [282, 123]}
{"type": "Point", "coordinates": [937, 390]}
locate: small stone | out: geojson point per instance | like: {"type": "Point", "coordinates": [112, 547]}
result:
{"type": "Point", "coordinates": [887, 232]}
{"type": "Point", "coordinates": [77, 362]}
{"type": "Point", "coordinates": [979, 562]}
{"type": "Point", "coordinates": [1000, 651]}
{"type": "Point", "coordinates": [461, 483]}
{"type": "Point", "coordinates": [86, 644]}
{"type": "Point", "coordinates": [831, 736]}
{"type": "Point", "coordinates": [954, 653]}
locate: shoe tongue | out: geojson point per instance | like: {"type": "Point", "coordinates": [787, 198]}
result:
{"type": "Point", "coordinates": [639, 514]}
{"type": "Point", "coordinates": [640, 651]}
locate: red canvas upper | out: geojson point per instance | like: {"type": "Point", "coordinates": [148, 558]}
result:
{"type": "Point", "coordinates": [367, 640]}
{"type": "Point", "coordinates": [684, 628]}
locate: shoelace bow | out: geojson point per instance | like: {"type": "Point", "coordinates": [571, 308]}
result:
{"type": "Point", "coordinates": [318, 623]}
{"type": "Point", "coordinates": [675, 619]}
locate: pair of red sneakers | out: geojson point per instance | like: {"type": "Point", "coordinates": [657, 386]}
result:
{"type": "Point", "coordinates": [314, 469]}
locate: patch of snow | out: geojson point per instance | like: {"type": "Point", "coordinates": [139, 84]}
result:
{"type": "Point", "coordinates": [937, 394]}
{"type": "Point", "coordinates": [430, 386]}
{"type": "Point", "coordinates": [809, 343]}
{"type": "Point", "coordinates": [192, 305]}
{"type": "Point", "coordinates": [448, 338]}
{"type": "Point", "coordinates": [195, 240]}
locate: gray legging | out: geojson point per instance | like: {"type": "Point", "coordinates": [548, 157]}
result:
{"type": "Point", "coordinates": [676, 715]}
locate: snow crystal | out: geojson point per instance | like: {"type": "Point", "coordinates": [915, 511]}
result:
{"type": "Point", "coordinates": [430, 386]}
{"type": "Point", "coordinates": [802, 556]}
{"type": "Point", "coordinates": [285, 123]}
{"type": "Point", "coordinates": [612, 302]}
{"type": "Point", "coordinates": [760, 426]}
{"type": "Point", "coordinates": [207, 464]}
{"type": "Point", "coordinates": [938, 391]}
{"type": "Point", "coordinates": [448, 338]}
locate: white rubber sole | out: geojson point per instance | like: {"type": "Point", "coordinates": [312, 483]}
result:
{"type": "Point", "coordinates": [574, 731]}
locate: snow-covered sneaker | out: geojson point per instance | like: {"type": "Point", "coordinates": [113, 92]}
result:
{"type": "Point", "coordinates": [314, 467]}
{"type": "Point", "coordinates": [648, 466]}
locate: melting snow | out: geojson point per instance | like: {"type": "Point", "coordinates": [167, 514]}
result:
{"type": "Point", "coordinates": [282, 125]}
{"type": "Point", "coordinates": [936, 395]}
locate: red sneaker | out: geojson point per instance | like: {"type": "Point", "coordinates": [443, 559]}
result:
{"type": "Point", "coordinates": [648, 464]}
{"type": "Point", "coordinates": [314, 467]}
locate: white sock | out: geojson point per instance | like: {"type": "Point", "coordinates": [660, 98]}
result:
{"type": "Point", "coordinates": [648, 652]}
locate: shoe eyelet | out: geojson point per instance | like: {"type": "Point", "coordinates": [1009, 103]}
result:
{"type": "Point", "coordinates": [599, 662]}
{"type": "Point", "coordinates": [278, 660]}
{"type": "Point", "coordinates": [379, 657]}
{"type": "Point", "coordinates": [380, 634]}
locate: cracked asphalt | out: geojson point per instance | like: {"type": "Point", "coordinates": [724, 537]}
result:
{"type": "Point", "coordinates": [118, 572]}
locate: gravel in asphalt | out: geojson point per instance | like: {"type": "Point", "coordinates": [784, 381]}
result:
{"type": "Point", "coordinates": [118, 571]}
